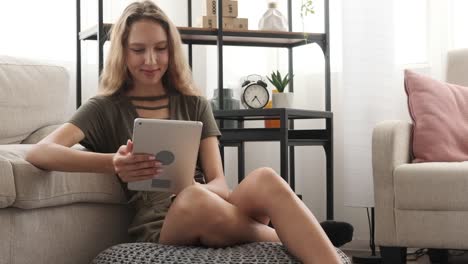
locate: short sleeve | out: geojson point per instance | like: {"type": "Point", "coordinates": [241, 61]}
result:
{"type": "Point", "coordinates": [90, 119]}
{"type": "Point", "coordinates": [210, 128]}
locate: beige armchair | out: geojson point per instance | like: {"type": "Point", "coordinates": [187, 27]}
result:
{"type": "Point", "coordinates": [423, 205]}
{"type": "Point", "coordinates": [48, 217]}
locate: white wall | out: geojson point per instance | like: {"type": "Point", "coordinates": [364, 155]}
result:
{"type": "Point", "coordinates": [26, 33]}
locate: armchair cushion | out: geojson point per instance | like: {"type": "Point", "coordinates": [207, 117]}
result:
{"type": "Point", "coordinates": [439, 112]}
{"type": "Point", "coordinates": [30, 187]}
{"type": "Point", "coordinates": [457, 63]}
{"type": "Point", "coordinates": [432, 186]}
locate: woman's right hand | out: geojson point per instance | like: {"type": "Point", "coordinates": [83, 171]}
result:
{"type": "Point", "coordinates": [135, 167]}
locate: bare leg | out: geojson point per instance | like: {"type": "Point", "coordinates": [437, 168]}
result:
{"type": "Point", "coordinates": [264, 193]}
{"type": "Point", "coordinates": [198, 216]}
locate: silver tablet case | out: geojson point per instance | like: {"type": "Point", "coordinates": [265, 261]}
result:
{"type": "Point", "coordinates": [175, 143]}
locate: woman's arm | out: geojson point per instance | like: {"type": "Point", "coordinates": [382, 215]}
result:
{"type": "Point", "coordinates": [212, 167]}
{"type": "Point", "coordinates": [54, 153]}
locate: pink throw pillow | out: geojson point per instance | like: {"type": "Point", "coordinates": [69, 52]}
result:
{"type": "Point", "coordinates": [440, 116]}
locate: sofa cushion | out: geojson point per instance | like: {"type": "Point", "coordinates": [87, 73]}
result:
{"type": "Point", "coordinates": [33, 95]}
{"type": "Point", "coordinates": [39, 134]}
{"type": "Point", "coordinates": [439, 112]}
{"type": "Point", "coordinates": [432, 186]}
{"type": "Point", "coordinates": [36, 188]}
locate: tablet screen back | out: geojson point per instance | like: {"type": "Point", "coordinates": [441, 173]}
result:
{"type": "Point", "coordinates": [175, 144]}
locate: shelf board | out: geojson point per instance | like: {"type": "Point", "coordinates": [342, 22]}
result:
{"type": "Point", "coordinates": [258, 38]}
{"type": "Point", "coordinates": [206, 36]}
{"type": "Point", "coordinates": [270, 113]}
{"type": "Point", "coordinates": [91, 33]}
{"type": "Point", "coordinates": [295, 137]}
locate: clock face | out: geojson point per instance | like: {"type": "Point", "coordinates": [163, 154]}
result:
{"type": "Point", "coordinates": [255, 96]}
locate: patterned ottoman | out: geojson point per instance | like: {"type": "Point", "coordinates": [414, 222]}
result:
{"type": "Point", "coordinates": [142, 253]}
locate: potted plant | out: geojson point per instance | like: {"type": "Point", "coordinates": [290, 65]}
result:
{"type": "Point", "coordinates": [281, 99]}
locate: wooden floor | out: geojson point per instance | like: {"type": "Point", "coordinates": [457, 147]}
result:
{"type": "Point", "coordinates": [456, 257]}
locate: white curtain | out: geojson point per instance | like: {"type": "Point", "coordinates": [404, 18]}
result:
{"type": "Point", "coordinates": [459, 23]}
{"type": "Point", "coordinates": [380, 39]}
{"type": "Point", "coordinates": [370, 90]}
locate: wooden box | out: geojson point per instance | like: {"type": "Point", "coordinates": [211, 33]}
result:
{"type": "Point", "coordinates": [230, 8]}
{"type": "Point", "coordinates": [228, 22]}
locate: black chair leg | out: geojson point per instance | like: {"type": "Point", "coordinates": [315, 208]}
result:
{"type": "Point", "coordinates": [439, 256]}
{"type": "Point", "coordinates": [393, 255]}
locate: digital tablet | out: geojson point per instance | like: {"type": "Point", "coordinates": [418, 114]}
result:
{"type": "Point", "coordinates": [175, 144]}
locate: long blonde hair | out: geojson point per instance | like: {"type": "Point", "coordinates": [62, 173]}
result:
{"type": "Point", "coordinates": [115, 75]}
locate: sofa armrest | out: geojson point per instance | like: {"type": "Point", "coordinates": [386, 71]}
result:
{"type": "Point", "coordinates": [7, 184]}
{"type": "Point", "coordinates": [391, 147]}
{"type": "Point", "coordinates": [36, 188]}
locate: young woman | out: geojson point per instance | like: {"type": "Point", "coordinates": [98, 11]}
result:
{"type": "Point", "coordinates": [147, 76]}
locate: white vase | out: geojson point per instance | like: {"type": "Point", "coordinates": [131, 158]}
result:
{"type": "Point", "coordinates": [283, 100]}
{"type": "Point", "coordinates": [273, 19]}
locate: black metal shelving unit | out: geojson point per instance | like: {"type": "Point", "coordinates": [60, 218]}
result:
{"type": "Point", "coordinates": [286, 135]}
{"type": "Point", "coordinates": [202, 36]}
{"type": "Point", "coordinates": [253, 38]}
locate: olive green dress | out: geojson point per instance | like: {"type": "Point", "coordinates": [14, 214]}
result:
{"type": "Point", "coordinates": [107, 123]}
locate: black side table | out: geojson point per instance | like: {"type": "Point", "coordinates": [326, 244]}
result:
{"type": "Point", "coordinates": [285, 134]}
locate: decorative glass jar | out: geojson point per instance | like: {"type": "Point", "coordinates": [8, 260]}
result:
{"type": "Point", "coordinates": [229, 103]}
{"type": "Point", "coordinates": [273, 19]}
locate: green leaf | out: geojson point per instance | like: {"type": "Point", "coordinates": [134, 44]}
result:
{"type": "Point", "coordinates": [278, 81]}
{"type": "Point", "coordinates": [270, 80]}
{"type": "Point", "coordinates": [275, 79]}
{"type": "Point", "coordinates": [307, 8]}
{"type": "Point", "coordinates": [285, 80]}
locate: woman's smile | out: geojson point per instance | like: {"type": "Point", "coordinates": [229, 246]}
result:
{"type": "Point", "coordinates": [150, 73]}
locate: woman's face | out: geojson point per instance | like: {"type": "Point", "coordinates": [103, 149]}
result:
{"type": "Point", "coordinates": [147, 53]}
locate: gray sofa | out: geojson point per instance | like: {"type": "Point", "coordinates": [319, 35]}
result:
{"type": "Point", "coordinates": [48, 217]}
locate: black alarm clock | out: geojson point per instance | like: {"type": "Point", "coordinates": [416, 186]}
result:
{"type": "Point", "coordinates": [255, 94]}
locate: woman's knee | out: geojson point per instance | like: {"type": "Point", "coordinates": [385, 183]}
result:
{"type": "Point", "coordinates": [188, 200]}
{"type": "Point", "coordinates": [180, 225]}
{"type": "Point", "coordinates": [265, 182]}
{"type": "Point", "coordinates": [198, 205]}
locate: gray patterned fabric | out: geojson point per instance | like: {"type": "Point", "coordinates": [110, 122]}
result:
{"type": "Point", "coordinates": [143, 253]}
